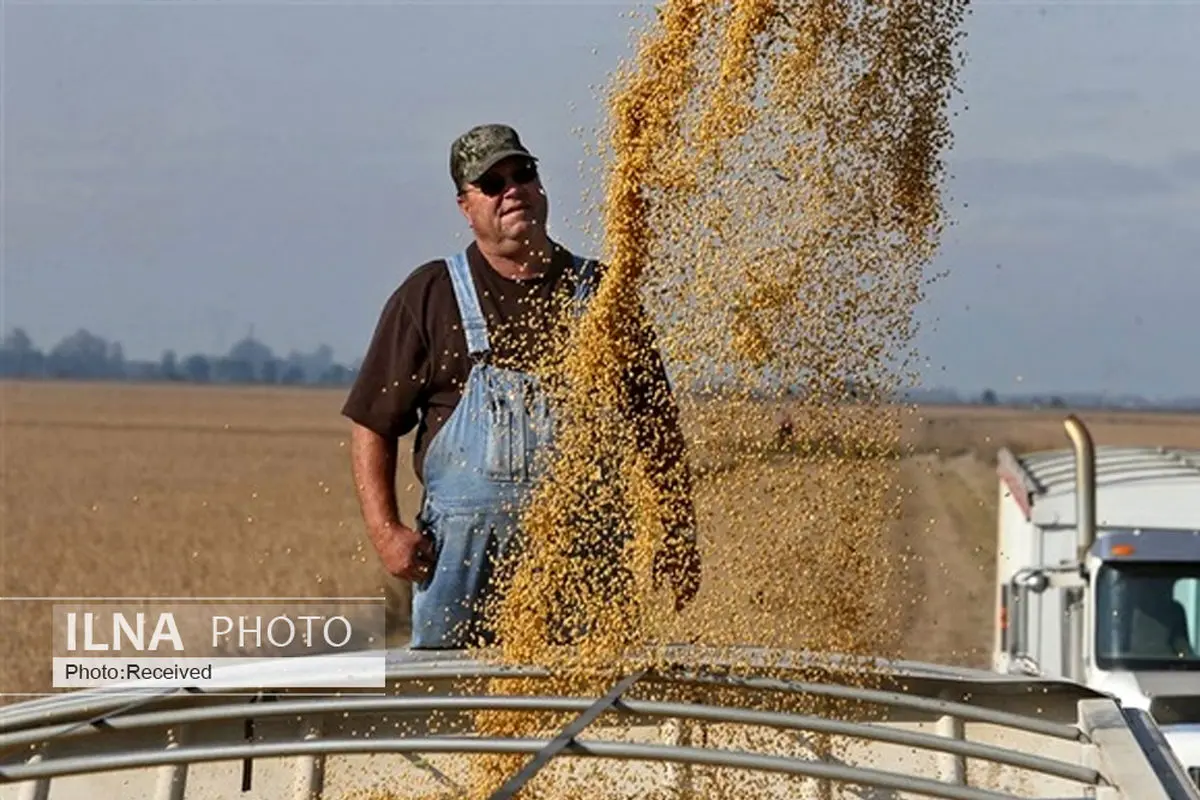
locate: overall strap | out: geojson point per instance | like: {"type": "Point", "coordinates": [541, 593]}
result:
{"type": "Point", "coordinates": [474, 325]}
{"type": "Point", "coordinates": [585, 279]}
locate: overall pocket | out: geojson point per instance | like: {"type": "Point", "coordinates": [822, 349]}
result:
{"type": "Point", "coordinates": [501, 438]}
{"type": "Point", "coordinates": [428, 524]}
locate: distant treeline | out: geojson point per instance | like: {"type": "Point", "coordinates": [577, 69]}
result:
{"type": "Point", "coordinates": [85, 356]}
{"type": "Point", "coordinates": [1077, 401]}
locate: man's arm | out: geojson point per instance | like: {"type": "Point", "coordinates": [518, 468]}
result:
{"type": "Point", "coordinates": [382, 406]}
{"type": "Point", "coordinates": [373, 462]}
{"type": "Point", "coordinates": [404, 553]}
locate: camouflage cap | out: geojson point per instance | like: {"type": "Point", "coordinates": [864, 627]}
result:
{"type": "Point", "coordinates": [480, 149]}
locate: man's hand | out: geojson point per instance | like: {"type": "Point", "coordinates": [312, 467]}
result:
{"type": "Point", "coordinates": [405, 554]}
{"type": "Point", "coordinates": [679, 562]}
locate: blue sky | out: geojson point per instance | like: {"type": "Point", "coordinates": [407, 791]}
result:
{"type": "Point", "coordinates": [175, 173]}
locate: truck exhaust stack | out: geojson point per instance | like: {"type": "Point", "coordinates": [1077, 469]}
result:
{"type": "Point", "coordinates": [1085, 483]}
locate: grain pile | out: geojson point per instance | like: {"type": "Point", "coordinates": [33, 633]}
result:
{"type": "Point", "coordinates": [773, 193]}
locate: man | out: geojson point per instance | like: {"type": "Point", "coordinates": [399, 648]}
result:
{"type": "Point", "coordinates": [451, 357]}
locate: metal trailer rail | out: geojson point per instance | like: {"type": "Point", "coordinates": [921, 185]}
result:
{"type": "Point", "coordinates": [899, 729]}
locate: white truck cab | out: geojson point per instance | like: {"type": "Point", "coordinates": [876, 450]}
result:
{"type": "Point", "coordinates": [1098, 576]}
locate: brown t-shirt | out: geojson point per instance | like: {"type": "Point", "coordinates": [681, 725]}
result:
{"type": "Point", "coordinates": [417, 362]}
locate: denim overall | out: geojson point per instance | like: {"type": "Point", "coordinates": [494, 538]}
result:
{"type": "Point", "coordinates": [479, 468]}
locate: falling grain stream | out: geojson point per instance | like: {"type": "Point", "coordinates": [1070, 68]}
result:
{"type": "Point", "coordinates": [772, 196]}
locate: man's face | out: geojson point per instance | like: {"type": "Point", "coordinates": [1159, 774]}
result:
{"type": "Point", "coordinates": [507, 206]}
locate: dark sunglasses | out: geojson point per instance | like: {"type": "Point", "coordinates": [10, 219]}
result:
{"type": "Point", "coordinates": [492, 184]}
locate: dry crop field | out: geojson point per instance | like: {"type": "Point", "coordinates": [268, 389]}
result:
{"type": "Point", "coordinates": [128, 490]}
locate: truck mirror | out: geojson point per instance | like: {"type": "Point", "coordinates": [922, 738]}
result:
{"type": "Point", "coordinates": [1035, 581]}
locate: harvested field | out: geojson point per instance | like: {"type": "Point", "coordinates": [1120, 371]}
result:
{"type": "Point", "coordinates": [127, 490]}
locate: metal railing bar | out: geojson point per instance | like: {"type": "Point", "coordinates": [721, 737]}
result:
{"type": "Point", "coordinates": [708, 713]}
{"type": "Point", "coordinates": [464, 745]}
{"type": "Point", "coordinates": [930, 705]}
{"type": "Point", "coordinates": [877, 697]}
{"type": "Point", "coordinates": [567, 735]}
{"type": "Point", "coordinates": [104, 703]}
{"type": "Point", "coordinates": [102, 720]}
{"type": "Point", "coordinates": [1154, 745]}
{"type": "Point", "coordinates": [102, 706]}
{"type": "Point", "coordinates": [123, 718]}
{"type": "Point", "coordinates": [414, 672]}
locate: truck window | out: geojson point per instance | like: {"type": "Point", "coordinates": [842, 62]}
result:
{"type": "Point", "coordinates": [1147, 616]}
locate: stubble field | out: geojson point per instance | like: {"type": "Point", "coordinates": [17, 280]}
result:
{"type": "Point", "coordinates": [126, 490]}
